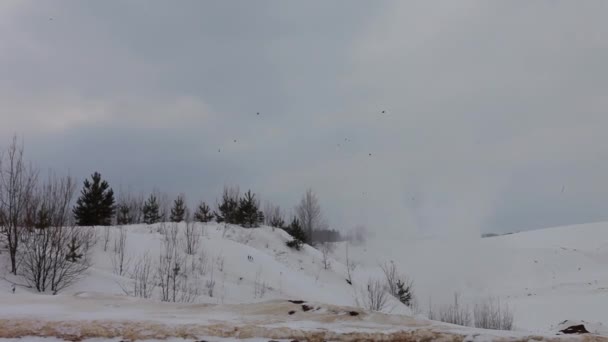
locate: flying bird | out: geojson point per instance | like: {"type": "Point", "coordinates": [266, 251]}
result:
{"type": "Point", "coordinates": [234, 140]}
{"type": "Point", "coordinates": [370, 154]}
{"type": "Point", "coordinates": [258, 113]}
{"type": "Point", "coordinates": [383, 112]}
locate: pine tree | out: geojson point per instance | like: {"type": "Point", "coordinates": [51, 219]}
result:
{"type": "Point", "coordinates": [95, 206]}
{"type": "Point", "coordinates": [178, 212]}
{"type": "Point", "coordinates": [151, 210]}
{"type": "Point", "coordinates": [73, 250]}
{"type": "Point", "coordinates": [228, 209]}
{"type": "Point", "coordinates": [123, 216]}
{"type": "Point", "coordinates": [203, 213]}
{"type": "Point", "coordinates": [297, 233]}
{"type": "Point", "coordinates": [248, 212]}
{"type": "Point", "coordinates": [404, 292]}
{"type": "Point", "coordinates": [43, 218]}
{"type": "Point", "coordinates": [277, 221]}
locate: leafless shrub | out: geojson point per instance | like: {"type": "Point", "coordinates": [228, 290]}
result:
{"type": "Point", "coordinates": [259, 285]}
{"type": "Point", "coordinates": [170, 234]}
{"type": "Point", "coordinates": [169, 268]}
{"type": "Point", "coordinates": [219, 262]}
{"type": "Point", "coordinates": [310, 215]}
{"type": "Point", "coordinates": [142, 276]}
{"type": "Point", "coordinates": [203, 263]}
{"type": "Point", "coordinates": [120, 261]}
{"type": "Point", "coordinates": [273, 216]}
{"type": "Point", "coordinates": [454, 313]}
{"type": "Point", "coordinates": [55, 254]}
{"type": "Point", "coordinates": [192, 238]}
{"type": "Point", "coordinates": [490, 314]}
{"type": "Point", "coordinates": [17, 185]}
{"type": "Point", "coordinates": [106, 237]}
{"type": "Point", "coordinates": [390, 273]}
{"type": "Point", "coordinates": [375, 296]}
{"type": "Point", "coordinates": [210, 283]}
{"type": "Point", "coordinates": [129, 208]}
{"type": "Point", "coordinates": [326, 249]}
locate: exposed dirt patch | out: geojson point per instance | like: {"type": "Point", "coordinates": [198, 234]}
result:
{"type": "Point", "coordinates": [80, 330]}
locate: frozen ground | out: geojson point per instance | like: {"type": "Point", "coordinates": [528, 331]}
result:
{"type": "Point", "coordinates": [545, 276]}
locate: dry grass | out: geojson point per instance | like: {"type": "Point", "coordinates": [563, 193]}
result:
{"type": "Point", "coordinates": [80, 330]}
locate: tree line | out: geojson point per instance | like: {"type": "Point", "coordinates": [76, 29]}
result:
{"type": "Point", "coordinates": [35, 211]}
{"type": "Point", "coordinates": [96, 207]}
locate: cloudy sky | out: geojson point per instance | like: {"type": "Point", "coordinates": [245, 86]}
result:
{"type": "Point", "coordinates": [495, 112]}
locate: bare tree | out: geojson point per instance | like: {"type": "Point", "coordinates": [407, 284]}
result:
{"type": "Point", "coordinates": [56, 253]}
{"type": "Point", "coordinates": [106, 237]}
{"type": "Point", "coordinates": [170, 235]}
{"type": "Point", "coordinates": [326, 249]}
{"type": "Point", "coordinates": [390, 273]}
{"type": "Point", "coordinates": [454, 313]}
{"type": "Point", "coordinates": [210, 283]}
{"type": "Point", "coordinates": [259, 285]}
{"type": "Point", "coordinates": [490, 314]}
{"type": "Point", "coordinates": [310, 215]}
{"type": "Point", "coordinates": [172, 272]}
{"type": "Point", "coordinates": [142, 284]}
{"type": "Point", "coordinates": [273, 216]}
{"type": "Point", "coordinates": [375, 295]}
{"type": "Point", "coordinates": [129, 208]}
{"type": "Point", "coordinates": [120, 262]}
{"type": "Point", "coordinates": [192, 238]}
{"type": "Point", "coordinates": [17, 184]}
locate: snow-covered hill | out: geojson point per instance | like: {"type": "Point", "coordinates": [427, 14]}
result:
{"type": "Point", "coordinates": [545, 276]}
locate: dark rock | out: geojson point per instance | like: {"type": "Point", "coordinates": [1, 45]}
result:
{"type": "Point", "coordinates": [297, 301]}
{"type": "Point", "coordinates": [306, 308]}
{"type": "Point", "coordinates": [353, 313]}
{"type": "Point", "coordinates": [291, 312]}
{"type": "Point", "coordinates": [575, 329]}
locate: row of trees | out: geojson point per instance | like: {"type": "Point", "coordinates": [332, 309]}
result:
{"type": "Point", "coordinates": [96, 206]}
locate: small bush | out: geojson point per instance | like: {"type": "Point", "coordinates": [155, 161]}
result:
{"type": "Point", "coordinates": [454, 313]}
{"type": "Point", "coordinates": [375, 296]}
{"type": "Point", "coordinates": [490, 314]}
{"type": "Point", "coordinates": [297, 244]}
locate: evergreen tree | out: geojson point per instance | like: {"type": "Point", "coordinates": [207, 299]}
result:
{"type": "Point", "coordinates": [404, 292]}
{"type": "Point", "coordinates": [74, 250]}
{"type": "Point", "coordinates": [151, 210]}
{"type": "Point", "coordinates": [123, 216]}
{"type": "Point", "coordinates": [277, 221]}
{"type": "Point", "coordinates": [228, 208]}
{"type": "Point", "coordinates": [178, 212]}
{"type": "Point", "coordinates": [95, 206]}
{"type": "Point", "coordinates": [297, 233]}
{"type": "Point", "coordinates": [203, 213]}
{"type": "Point", "coordinates": [248, 213]}
{"type": "Point", "coordinates": [43, 217]}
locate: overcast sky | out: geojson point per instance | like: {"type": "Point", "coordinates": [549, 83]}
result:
{"type": "Point", "coordinates": [495, 112]}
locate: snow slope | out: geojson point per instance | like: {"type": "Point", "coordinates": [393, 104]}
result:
{"type": "Point", "coordinates": [536, 273]}
{"type": "Point", "coordinates": [545, 276]}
